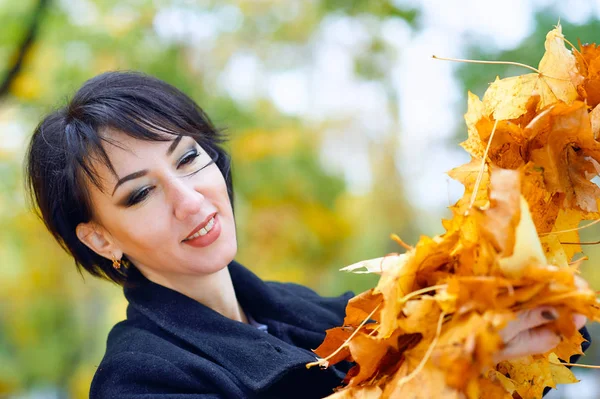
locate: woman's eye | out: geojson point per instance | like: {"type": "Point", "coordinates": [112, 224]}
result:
{"type": "Point", "coordinates": [139, 196]}
{"type": "Point", "coordinates": [189, 158]}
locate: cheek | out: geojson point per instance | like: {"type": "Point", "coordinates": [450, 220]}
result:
{"type": "Point", "coordinates": [219, 197]}
{"type": "Point", "coordinates": [213, 187]}
{"type": "Point", "coordinates": [144, 228]}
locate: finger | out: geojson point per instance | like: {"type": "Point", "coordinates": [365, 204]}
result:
{"type": "Point", "coordinates": [529, 342]}
{"type": "Point", "coordinates": [579, 320]}
{"type": "Point", "coordinates": [528, 319]}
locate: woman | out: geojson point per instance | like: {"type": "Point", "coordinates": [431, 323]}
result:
{"type": "Point", "coordinates": [131, 179]}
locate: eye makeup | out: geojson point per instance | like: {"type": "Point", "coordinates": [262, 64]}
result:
{"type": "Point", "coordinates": [189, 158]}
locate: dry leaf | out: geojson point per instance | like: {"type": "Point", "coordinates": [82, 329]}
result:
{"type": "Point", "coordinates": [562, 143]}
{"type": "Point", "coordinates": [557, 81]}
{"type": "Point", "coordinates": [588, 64]}
{"type": "Point", "coordinates": [377, 265]}
{"type": "Point", "coordinates": [527, 250]}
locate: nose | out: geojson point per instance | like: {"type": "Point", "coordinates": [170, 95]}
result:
{"type": "Point", "coordinates": [185, 198]}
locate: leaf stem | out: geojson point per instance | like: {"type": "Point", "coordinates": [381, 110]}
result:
{"type": "Point", "coordinates": [488, 62]}
{"type": "Point", "coordinates": [585, 366]}
{"type": "Point", "coordinates": [399, 241]}
{"type": "Point", "coordinates": [570, 44]}
{"type": "Point", "coordinates": [482, 169]}
{"type": "Point", "coordinates": [581, 243]}
{"type": "Point", "coordinates": [406, 297]}
{"type": "Point", "coordinates": [570, 230]}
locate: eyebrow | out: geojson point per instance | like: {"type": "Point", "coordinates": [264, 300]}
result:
{"type": "Point", "coordinates": [174, 145]}
{"type": "Point", "coordinates": [144, 172]}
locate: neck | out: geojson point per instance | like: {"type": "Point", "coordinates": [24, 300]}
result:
{"type": "Point", "coordinates": [214, 290]}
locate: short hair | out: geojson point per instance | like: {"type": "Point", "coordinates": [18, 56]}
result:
{"type": "Point", "coordinates": [64, 144]}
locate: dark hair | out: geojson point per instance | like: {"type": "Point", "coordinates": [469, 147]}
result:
{"type": "Point", "coordinates": [58, 161]}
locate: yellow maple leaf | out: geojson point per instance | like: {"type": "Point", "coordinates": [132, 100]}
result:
{"type": "Point", "coordinates": [498, 223]}
{"type": "Point", "coordinates": [531, 374]}
{"type": "Point", "coordinates": [588, 63]}
{"type": "Point", "coordinates": [569, 346]}
{"type": "Point", "coordinates": [429, 383]}
{"type": "Point", "coordinates": [556, 80]}
{"type": "Point", "coordinates": [475, 112]}
{"type": "Point", "coordinates": [467, 174]}
{"type": "Point", "coordinates": [560, 374]}
{"type": "Point", "coordinates": [509, 385]}
{"type": "Point", "coordinates": [562, 143]}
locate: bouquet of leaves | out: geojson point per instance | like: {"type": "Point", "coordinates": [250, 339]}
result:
{"type": "Point", "coordinates": [430, 328]}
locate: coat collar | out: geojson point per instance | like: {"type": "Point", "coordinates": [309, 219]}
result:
{"type": "Point", "coordinates": [256, 358]}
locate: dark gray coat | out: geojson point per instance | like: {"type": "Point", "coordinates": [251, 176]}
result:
{"type": "Point", "coordinates": [173, 347]}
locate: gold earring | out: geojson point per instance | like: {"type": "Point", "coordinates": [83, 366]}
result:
{"type": "Point", "coordinates": [116, 263]}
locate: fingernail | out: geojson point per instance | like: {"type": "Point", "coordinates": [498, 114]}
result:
{"type": "Point", "coordinates": [549, 315]}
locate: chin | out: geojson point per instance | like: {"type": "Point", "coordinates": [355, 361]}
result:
{"type": "Point", "coordinates": [223, 255]}
{"type": "Point", "coordinates": [216, 256]}
{"type": "Point", "coordinates": [228, 243]}
{"type": "Point", "coordinates": [230, 252]}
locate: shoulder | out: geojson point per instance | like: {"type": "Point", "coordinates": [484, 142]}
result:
{"type": "Point", "coordinates": [139, 362]}
{"type": "Point", "coordinates": [137, 373]}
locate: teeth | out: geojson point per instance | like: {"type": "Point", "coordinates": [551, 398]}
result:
{"type": "Point", "coordinates": [203, 231]}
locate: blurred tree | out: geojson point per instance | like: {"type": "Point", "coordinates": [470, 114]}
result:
{"type": "Point", "coordinates": [296, 220]}
{"type": "Point", "coordinates": [25, 45]}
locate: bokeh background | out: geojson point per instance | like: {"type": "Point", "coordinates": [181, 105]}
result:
{"type": "Point", "coordinates": [341, 125]}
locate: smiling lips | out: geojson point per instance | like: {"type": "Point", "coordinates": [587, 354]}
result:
{"type": "Point", "coordinates": [203, 228]}
{"type": "Point", "coordinates": [206, 233]}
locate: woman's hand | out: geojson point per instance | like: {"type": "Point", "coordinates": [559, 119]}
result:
{"type": "Point", "coordinates": [528, 334]}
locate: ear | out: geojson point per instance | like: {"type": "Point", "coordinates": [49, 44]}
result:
{"type": "Point", "coordinates": [98, 240]}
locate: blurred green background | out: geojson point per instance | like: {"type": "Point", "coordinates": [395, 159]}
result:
{"type": "Point", "coordinates": [341, 129]}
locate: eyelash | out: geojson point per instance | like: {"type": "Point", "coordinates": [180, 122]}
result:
{"type": "Point", "coordinates": [141, 195]}
{"type": "Point", "coordinates": [188, 158]}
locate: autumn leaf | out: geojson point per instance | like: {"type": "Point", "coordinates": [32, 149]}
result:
{"type": "Point", "coordinates": [430, 383]}
{"type": "Point", "coordinates": [560, 374]}
{"type": "Point", "coordinates": [569, 346]}
{"type": "Point", "coordinates": [499, 222]}
{"type": "Point", "coordinates": [527, 250]}
{"type": "Point", "coordinates": [562, 143]}
{"type": "Point", "coordinates": [467, 175]}
{"type": "Point", "coordinates": [509, 385]}
{"type": "Point", "coordinates": [544, 206]}
{"type": "Point", "coordinates": [530, 374]}
{"type": "Point", "coordinates": [556, 80]}
{"type": "Point", "coordinates": [507, 146]}
{"type": "Point", "coordinates": [336, 337]}
{"type": "Point", "coordinates": [377, 265]}
{"type": "Point", "coordinates": [595, 122]}
{"type": "Point", "coordinates": [588, 64]}
{"type": "Point", "coordinates": [361, 306]}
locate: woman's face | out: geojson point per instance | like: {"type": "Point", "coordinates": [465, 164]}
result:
{"type": "Point", "coordinates": [167, 211]}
